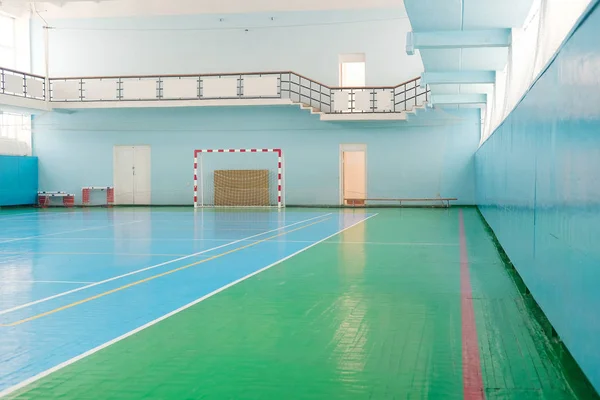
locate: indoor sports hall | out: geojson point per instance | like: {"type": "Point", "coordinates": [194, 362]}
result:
{"type": "Point", "coordinates": [335, 199]}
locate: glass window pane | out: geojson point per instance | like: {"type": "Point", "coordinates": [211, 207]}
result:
{"type": "Point", "coordinates": [15, 130]}
{"type": "Point", "coordinates": [7, 31]}
{"type": "Point", "coordinates": [7, 57]}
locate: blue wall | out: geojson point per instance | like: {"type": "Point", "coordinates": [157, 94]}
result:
{"type": "Point", "coordinates": [18, 180]}
{"type": "Point", "coordinates": [431, 154]}
{"type": "Point", "coordinates": [310, 44]}
{"type": "Point", "coordinates": [538, 186]}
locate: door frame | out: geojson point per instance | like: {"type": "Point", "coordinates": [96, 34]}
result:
{"type": "Point", "coordinates": [351, 147]}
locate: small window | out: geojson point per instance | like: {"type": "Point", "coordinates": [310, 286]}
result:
{"type": "Point", "coordinates": [7, 41]}
{"type": "Point", "coordinates": [15, 134]}
{"type": "Point", "coordinates": [352, 70]}
{"type": "Point", "coordinates": [7, 31]}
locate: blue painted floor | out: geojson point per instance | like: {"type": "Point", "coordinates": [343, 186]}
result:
{"type": "Point", "coordinates": [72, 280]}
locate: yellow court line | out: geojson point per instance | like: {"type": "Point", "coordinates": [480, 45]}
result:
{"type": "Point", "coordinates": [76, 303]}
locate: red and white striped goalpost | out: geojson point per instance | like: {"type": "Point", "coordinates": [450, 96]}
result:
{"type": "Point", "coordinates": [279, 168]}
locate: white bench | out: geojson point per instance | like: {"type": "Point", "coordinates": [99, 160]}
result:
{"type": "Point", "coordinates": [445, 201]}
{"type": "Point", "coordinates": [44, 198]}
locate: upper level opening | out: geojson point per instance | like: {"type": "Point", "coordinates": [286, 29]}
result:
{"type": "Point", "coordinates": [353, 72]}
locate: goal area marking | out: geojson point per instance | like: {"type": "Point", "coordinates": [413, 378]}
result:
{"type": "Point", "coordinates": [199, 183]}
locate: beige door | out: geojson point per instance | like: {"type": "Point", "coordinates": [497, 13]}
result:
{"type": "Point", "coordinates": [354, 177]}
{"type": "Point", "coordinates": [131, 174]}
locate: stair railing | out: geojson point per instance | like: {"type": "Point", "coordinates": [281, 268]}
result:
{"type": "Point", "coordinates": [285, 85]}
{"type": "Point", "coordinates": [21, 84]}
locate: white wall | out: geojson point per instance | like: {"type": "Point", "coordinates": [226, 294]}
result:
{"type": "Point", "coordinates": [307, 42]}
{"type": "Point", "coordinates": [430, 155]}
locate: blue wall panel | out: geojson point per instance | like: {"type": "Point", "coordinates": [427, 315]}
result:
{"type": "Point", "coordinates": [430, 155]}
{"type": "Point", "coordinates": [18, 180]}
{"type": "Point", "coordinates": [538, 186]}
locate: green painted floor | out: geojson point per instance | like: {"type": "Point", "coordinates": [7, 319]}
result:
{"type": "Point", "coordinates": [373, 313]}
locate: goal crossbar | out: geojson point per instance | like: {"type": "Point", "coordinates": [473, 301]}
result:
{"type": "Point", "coordinates": [197, 180]}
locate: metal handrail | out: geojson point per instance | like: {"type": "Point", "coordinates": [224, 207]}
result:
{"type": "Point", "coordinates": [21, 72]}
{"type": "Point", "coordinates": [31, 86]}
{"type": "Point", "coordinates": [225, 74]}
{"type": "Point", "coordinates": [290, 85]}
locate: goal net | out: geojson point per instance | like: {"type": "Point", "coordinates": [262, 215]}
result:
{"type": "Point", "coordinates": [238, 178]}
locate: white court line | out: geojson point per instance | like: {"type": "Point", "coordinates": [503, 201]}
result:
{"type": "Point", "coordinates": [190, 239]}
{"type": "Point", "coordinates": [9, 310]}
{"type": "Point", "coordinates": [400, 243]}
{"type": "Point", "coordinates": [159, 319]}
{"type": "Point", "coordinates": [212, 217]}
{"type": "Point", "coordinates": [11, 216]}
{"type": "Point", "coordinates": [67, 253]}
{"type": "Point", "coordinates": [71, 231]}
{"type": "Point", "coordinates": [173, 228]}
{"type": "Point", "coordinates": [68, 282]}
{"type": "Point", "coordinates": [37, 214]}
{"type": "Point", "coordinates": [222, 240]}
{"type": "Point", "coordinates": [126, 214]}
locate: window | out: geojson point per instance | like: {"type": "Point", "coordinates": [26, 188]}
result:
{"type": "Point", "coordinates": [7, 41]}
{"type": "Point", "coordinates": [352, 70]}
{"type": "Point", "coordinates": [15, 134]}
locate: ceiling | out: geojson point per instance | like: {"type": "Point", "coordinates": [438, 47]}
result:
{"type": "Point", "coordinates": [122, 8]}
{"type": "Point", "coordinates": [446, 15]}
{"type": "Point", "coordinates": [426, 16]}
{"type": "Point", "coordinates": [471, 16]}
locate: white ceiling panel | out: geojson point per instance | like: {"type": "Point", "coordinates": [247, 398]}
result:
{"type": "Point", "coordinates": [487, 88]}
{"type": "Point", "coordinates": [444, 15]}
{"type": "Point", "coordinates": [439, 15]}
{"type": "Point", "coordinates": [434, 15]}
{"type": "Point", "coordinates": [468, 59]}
{"type": "Point", "coordinates": [123, 8]}
{"type": "Point", "coordinates": [440, 59]}
{"type": "Point", "coordinates": [445, 89]}
{"type": "Point", "coordinates": [481, 14]}
{"type": "Point", "coordinates": [486, 59]}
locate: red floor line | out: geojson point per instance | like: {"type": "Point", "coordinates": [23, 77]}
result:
{"type": "Point", "coordinates": [472, 377]}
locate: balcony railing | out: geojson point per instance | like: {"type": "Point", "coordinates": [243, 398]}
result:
{"type": "Point", "coordinates": [249, 86]}
{"type": "Point", "coordinates": [20, 84]}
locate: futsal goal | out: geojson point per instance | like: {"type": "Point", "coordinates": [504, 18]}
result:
{"type": "Point", "coordinates": [238, 178]}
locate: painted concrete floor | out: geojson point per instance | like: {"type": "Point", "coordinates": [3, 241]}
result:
{"type": "Point", "coordinates": [299, 304]}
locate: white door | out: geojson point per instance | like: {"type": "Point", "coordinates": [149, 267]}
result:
{"type": "Point", "coordinates": [354, 177]}
{"type": "Point", "coordinates": [123, 174]}
{"type": "Point", "coordinates": [353, 174]}
{"type": "Point", "coordinates": [131, 174]}
{"type": "Point", "coordinates": [141, 175]}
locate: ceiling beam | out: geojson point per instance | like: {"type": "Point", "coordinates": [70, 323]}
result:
{"type": "Point", "coordinates": [431, 78]}
{"type": "Point", "coordinates": [457, 39]}
{"type": "Point", "coordinates": [465, 98]}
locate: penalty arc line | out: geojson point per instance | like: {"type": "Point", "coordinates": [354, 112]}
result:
{"type": "Point", "coordinates": [55, 296]}
{"type": "Point", "coordinates": [62, 365]}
